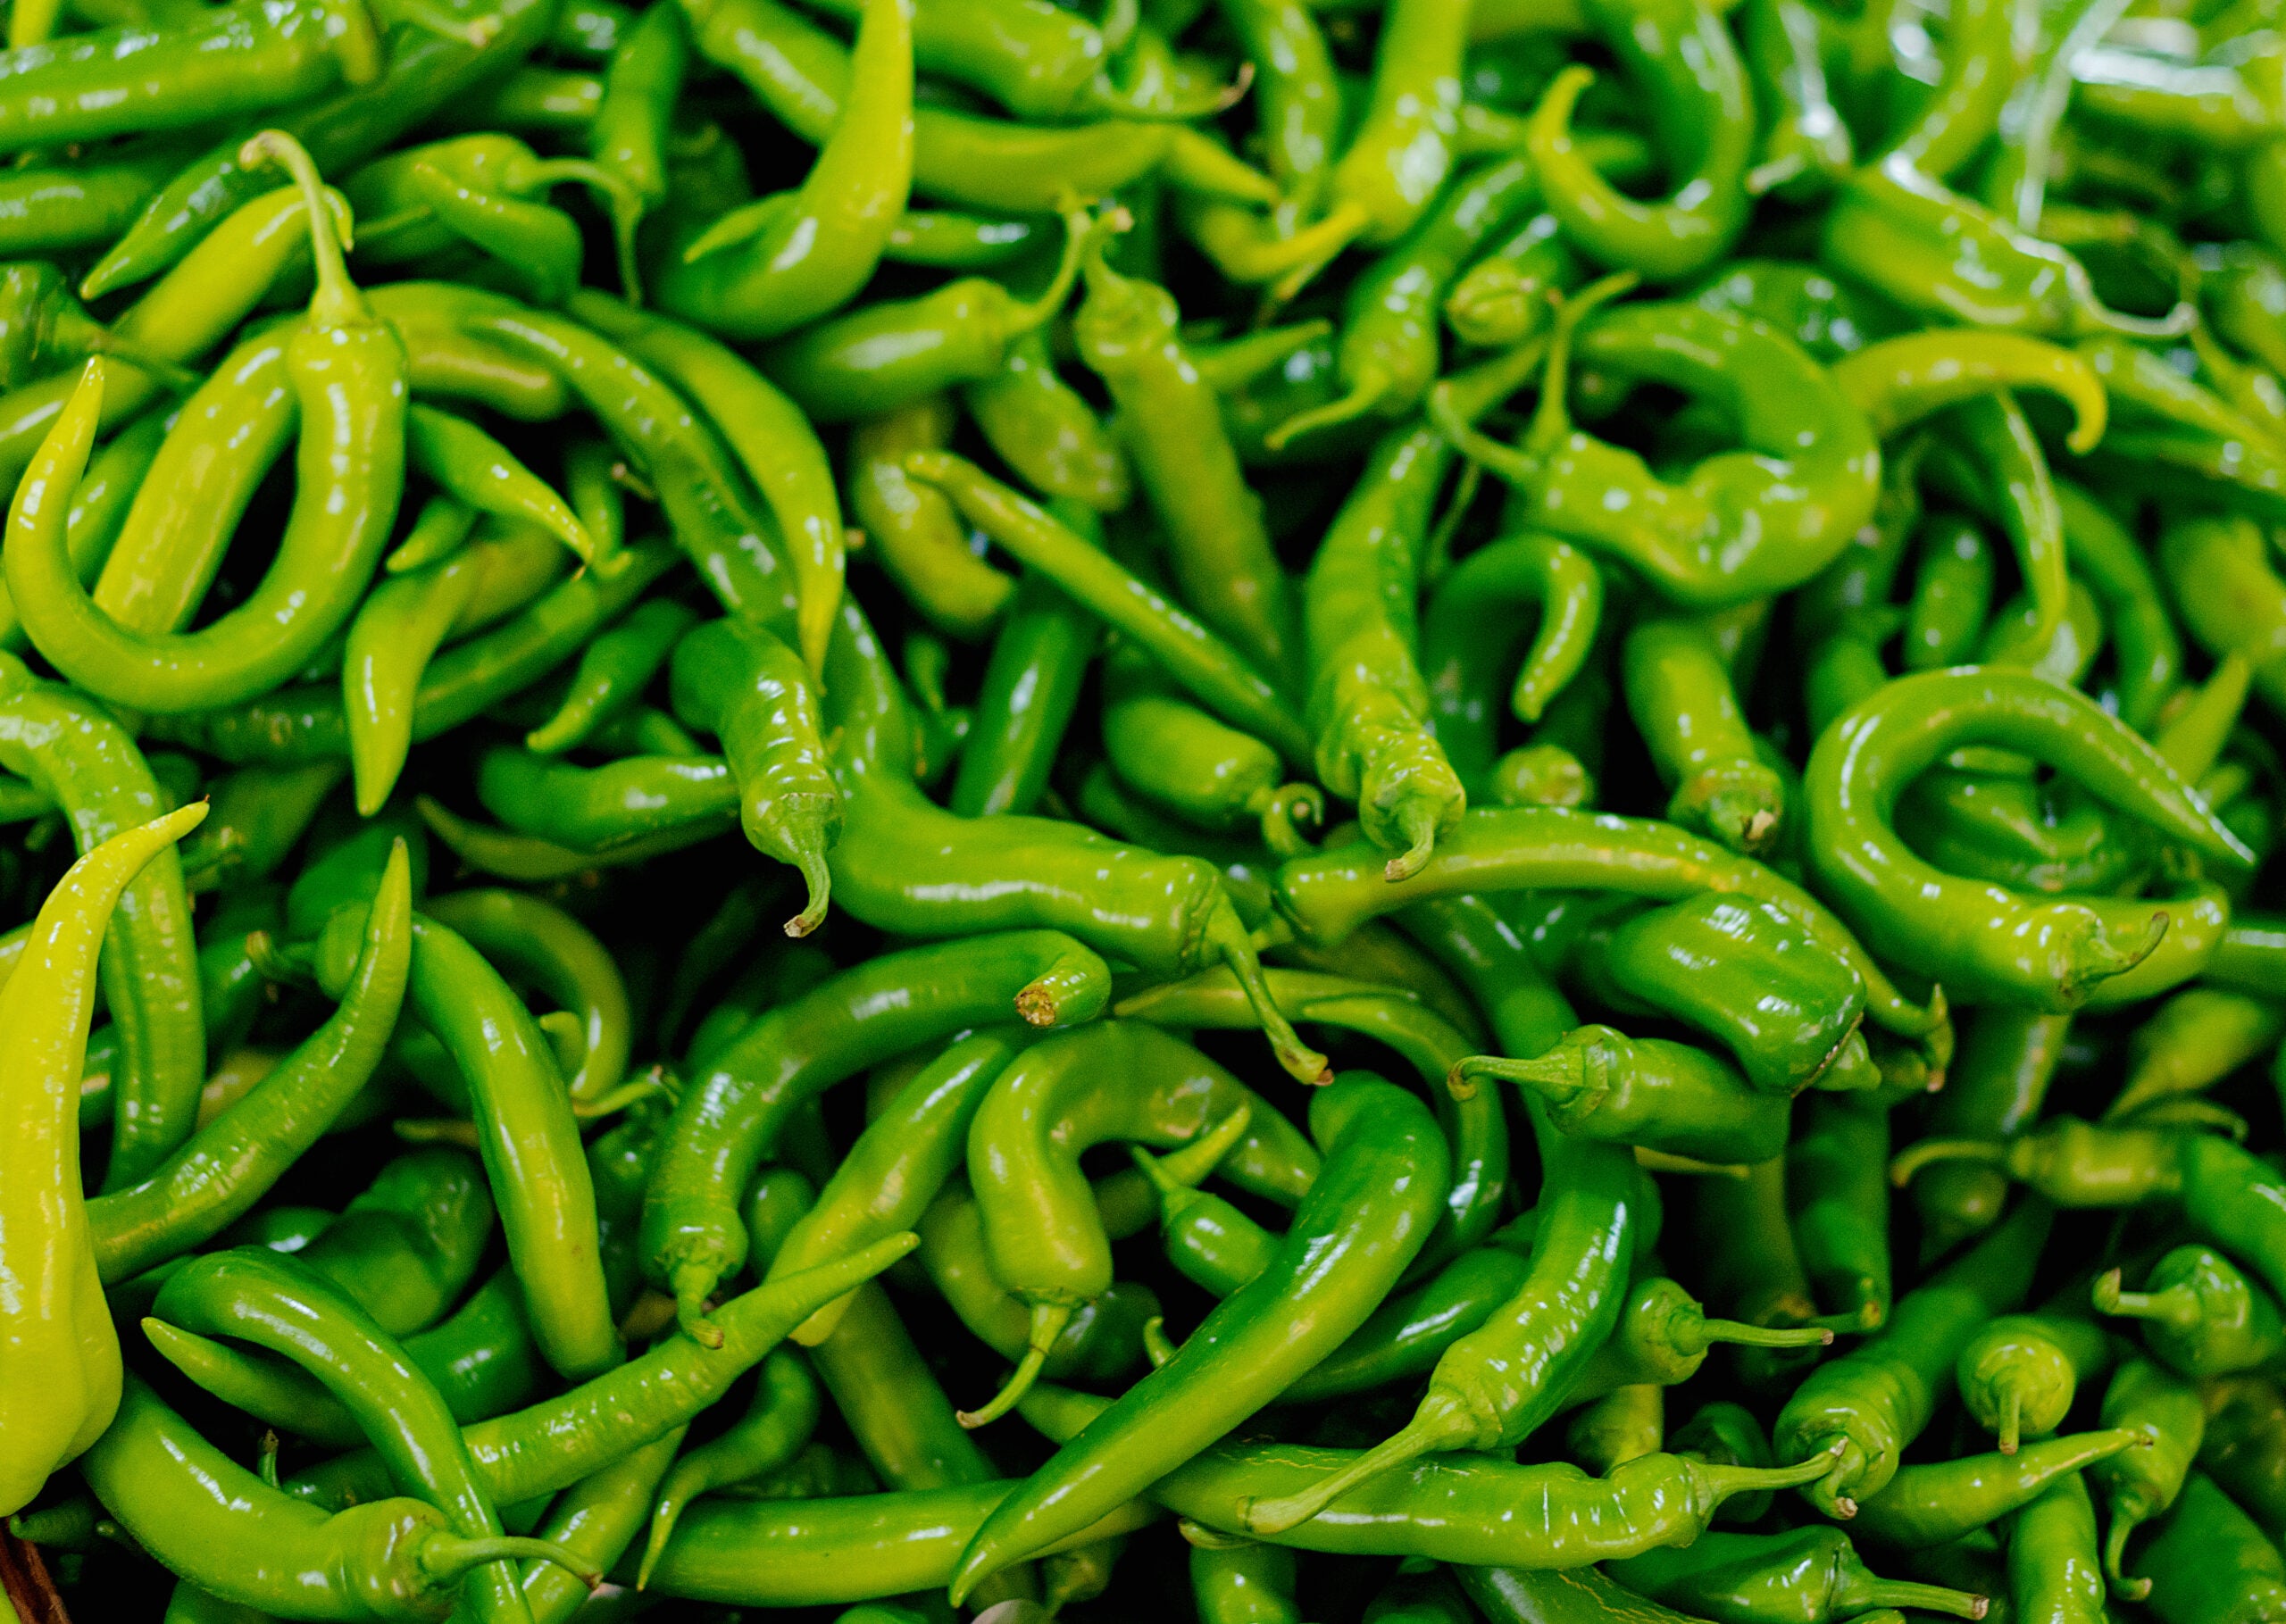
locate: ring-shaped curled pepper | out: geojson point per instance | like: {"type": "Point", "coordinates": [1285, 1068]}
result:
{"type": "Point", "coordinates": [59, 1358]}
{"type": "Point", "coordinates": [1114, 1081]}
{"type": "Point", "coordinates": [744, 685]}
{"type": "Point", "coordinates": [242, 1540]}
{"type": "Point", "coordinates": [730, 1115]}
{"type": "Point", "coordinates": [1702, 111]}
{"type": "Point", "coordinates": [349, 373]}
{"type": "Point", "coordinates": [1744, 523]}
{"type": "Point", "coordinates": [1363, 1221]}
{"type": "Point", "coordinates": [1984, 941]}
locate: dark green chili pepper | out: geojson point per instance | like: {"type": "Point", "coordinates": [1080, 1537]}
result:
{"type": "Point", "coordinates": [1757, 1276]}
{"type": "Point", "coordinates": [921, 540]}
{"type": "Point", "coordinates": [1810, 1576]}
{"type": "Point", "coordinates": [1805, 146]}
{"type": "Point", "coordinates": [1838, 1202]}
{"type": "Point", "coordinates": [642, 82]}
{"type": "Point", "coordinates": [1467, 1511]}
{"type": "Point", "coordinates": [1360, 1223]}
{"type": "Point", "coordinates": [1878, 1397]}
{"type": "Point", "coordinates": [2210, 1560]}
{"type": "Point", "coordinates": [2244, 1420]}
{"type": "Point", "coordinates": [1031, 689]}
{"type": "Point", "coordinates": [1211, 1243]}
{"type": "Point", "coordinates": [1411, 1330]}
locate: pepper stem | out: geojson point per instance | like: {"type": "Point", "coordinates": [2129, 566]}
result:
{"type": "Point", "coordinates": [1081, 232]}
{"type": "Point", "coordinates": [1048, 1320]}
{"type": "Point", "coordinates": [1908, 1161]}
{"type": "Point", "coordinates": [1559, 1076]}
{"type": "Point", "coordinates": [1416, 822]}
{"type": "Point", "coordinates": [1723, 1479]}
{"type": "Point", "coordinates": [2177, 1306]}
{"type": "Point", "coordinates": [1284, 810]}
{"type": "Point", "coordinates": [445, 1557]}
{"type": "Point", "coordinates": [620, 200]}
{"type": "Point", "coordinates": [1925, 1598]}
{"type": "Point", "coordinates": [1158, 1347]}
{"type": "Point", "coordinates": [1227, 938]}
{"type": "Point", "coordinates": [337, 303]}
{"type": "Point", "coordinates": [1373, 383]}
{"type": "Point", "coordinates": [1436, 1426]}
{"type": "Point", "coordinates": [692, 1284]}
{"type": "Point", "coordinates": [1552, 417]}
{"type": "Point", "coordinates": [2122, 1524]}
{"type": "Point", "coordinates": [1746, 1335]}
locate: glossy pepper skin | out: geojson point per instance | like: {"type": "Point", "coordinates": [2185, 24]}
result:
{"type": "Point", "coordinates": [62, 1356]}
{"type": "Point", "coordinates": [1810, 1576]}
{"type": "Point", "coordinates": [1989, 942]}
{"type": "Point", "coordinates": [1736, 528]}
{"type": "Point", "coordinates": [1362, 1223]}
{"type": "Point", "coordinates": [1877, 1398]}
{"type": "Point", "coordinates": [730, 1113]}
{"type": "Point", "coordinates": [1469, 1512]}
{"type": "Point", "coordinates": [348, 370]}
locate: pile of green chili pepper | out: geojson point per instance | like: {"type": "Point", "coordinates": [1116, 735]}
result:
{"type": "Point", "coordinates": [1380, 812]}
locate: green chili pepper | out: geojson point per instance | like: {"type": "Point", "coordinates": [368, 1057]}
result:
{"type": "Point", "coordinates": [1907, 726]}
{"type": "Point", "coordinates": [2209, 1560]}
{"type": "Point", "coordinates": [1180, 758]}
{"type": "Point", "coordinates": [1938, 1502]}
{"type": "Point", "coordinates": [2018, 1375]}
{"type": "Point", "coordinates": [1047, 431]}
{"type": "Point", "coordinates": [61, 1350]}
{"type": "Point", "coordinates": [1411, 1330]}
{"type": "Point", "coordinates": [227, 1166]}
{"type": "Point", "coordinates": [1839, 1207]}
{"type": "Point", "coordinates": [895, 1170]}
{"type": "Point", "coordinates": [2201, 1316]}
{"type": "Point", "coordinates": [1601, 1085]}
{"type": "Point", "coordinates": [743, 685]}
{"type": "Point", "coordinates": [1360, 1224]}
{"type": "Point", "coordinates": [272, 1302]}
{"type": "Point", "coordinates": [1784, 528]}
{"type": "Point", "coordinates": [1875, 1399]}
{"type": "Point", "coordinates": [1811, 1576]}
{"type": "Point", "coordinates": [1703, 116]}
{"type": "Point", "coordinates": [821, 242]}
{"type": "Point", "coordinates": [347, 369]}
{"type": "Point", "coordinates": [1050, 1105]}
{"type": "Point", "coordinates": [1169, 420]}
{"type": "Point", "coordinates": [615, 668]}
{"type": "Point", "coordinates": [240, 1539]}
{"type": "Point", "coordinates": [728, 1117]}
{"type": "Point", "coordinates": [1466, 1511]}
{"type": "Point", "coordinates": [778, 1422]}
